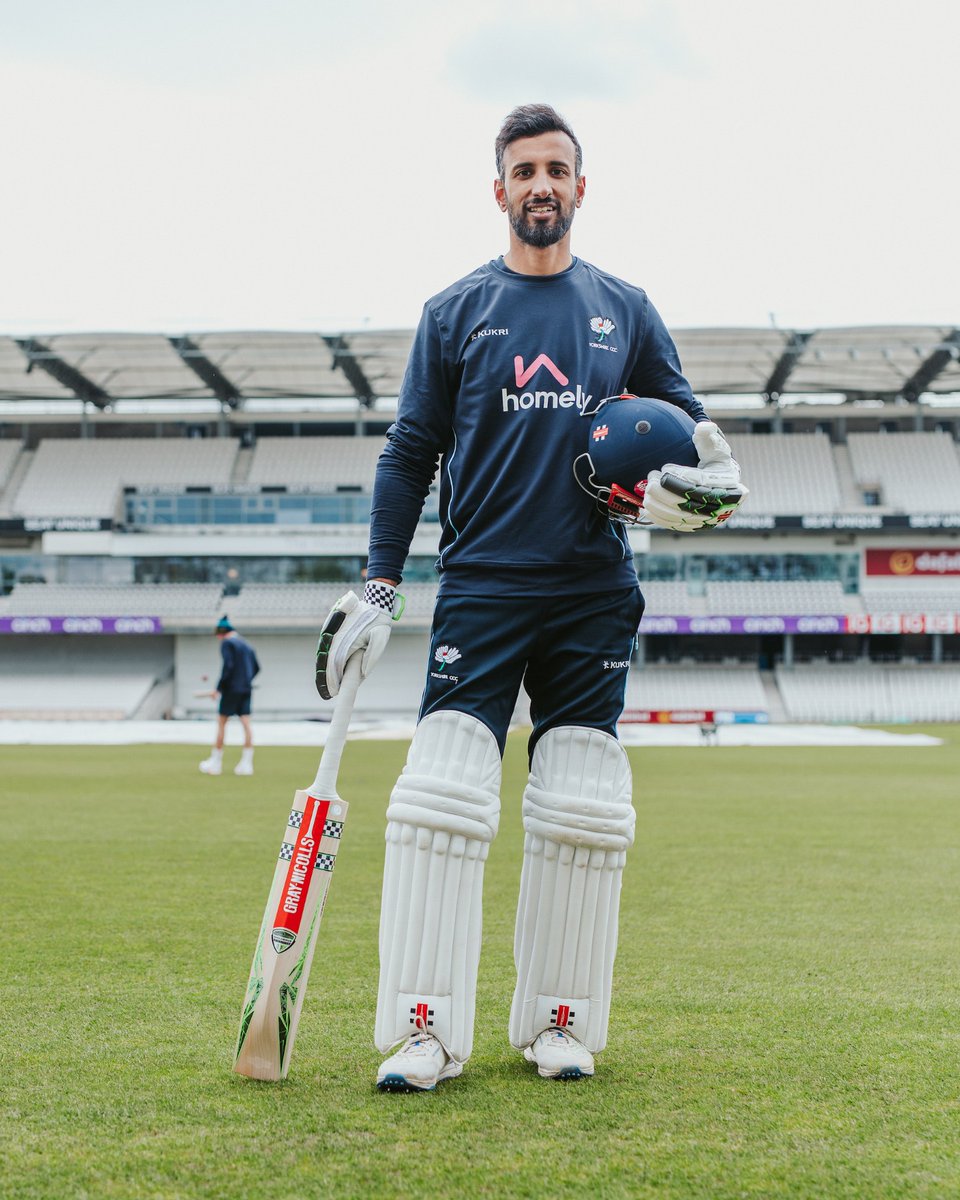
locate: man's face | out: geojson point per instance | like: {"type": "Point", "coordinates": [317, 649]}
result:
{"type": "Point", "coordinates": [540, 190]}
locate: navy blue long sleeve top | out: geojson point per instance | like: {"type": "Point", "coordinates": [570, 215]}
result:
{"type": "Point", "coordinates": [502, 367]}
{"type": "Point", "coordinates": [240, 666]}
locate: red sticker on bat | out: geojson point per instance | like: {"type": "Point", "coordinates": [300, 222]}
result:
{"type": "Point", "coordinates": [300, 871]}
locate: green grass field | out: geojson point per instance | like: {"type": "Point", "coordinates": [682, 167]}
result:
{"type": "Point", "coordinates": [786, 1018]}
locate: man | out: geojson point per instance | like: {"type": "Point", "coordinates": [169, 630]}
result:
{"type": "Point", "coordinates": [536, 587]}
{"type": "Point", "coordinates": [240, 668]}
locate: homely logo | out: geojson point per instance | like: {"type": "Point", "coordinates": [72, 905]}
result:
{"type": "Point", "coordinates": [515, 401]}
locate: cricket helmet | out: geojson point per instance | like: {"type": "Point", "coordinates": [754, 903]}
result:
{"type": "Point", "coordinates": [629, 437]}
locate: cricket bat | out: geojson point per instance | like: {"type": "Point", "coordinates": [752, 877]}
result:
{"type": "Point", "coordinates": [288, 934]}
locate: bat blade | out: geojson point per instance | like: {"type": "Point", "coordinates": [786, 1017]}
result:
{"type": "Point", "coordinates": [288, 936]}
{"type": "Point", "coordinates": [288, 933]}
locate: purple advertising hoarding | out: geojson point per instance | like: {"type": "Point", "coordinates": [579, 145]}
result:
{"type": "Point", "coordinates": [754, 624]}
{"type": "Point", "coordinates": [81, 625]}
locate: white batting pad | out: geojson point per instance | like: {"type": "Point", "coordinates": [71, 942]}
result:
{"type": "Point", "coordinates": [442, 816]}
{"type": "Point", "coordinates": [579, 821]}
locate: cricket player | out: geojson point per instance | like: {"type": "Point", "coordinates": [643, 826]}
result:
{"type": "Point", "coordinates": [537, 587]}
{"type": "Point", "coordinates": [234, 688]}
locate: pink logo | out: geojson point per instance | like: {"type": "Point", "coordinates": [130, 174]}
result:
{"type": "Point", "coordinates": [600, 432]}
{"type": "Point", "coordinates": [524, 376]}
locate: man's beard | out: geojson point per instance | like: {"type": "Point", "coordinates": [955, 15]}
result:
{"type": "Point", "coordinates": [541, 233]}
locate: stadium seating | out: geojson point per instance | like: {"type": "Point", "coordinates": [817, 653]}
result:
{"type": "Point", "coordinates": [709, 687]}
{"type": "Point", "coordinates": [870, 693]}
{"type": "Point", "coordinates": [672, 598]}
{"type": "Point", "coordinates": [9, 452]}
{"type": "Point", "coordinates": [75, 477]}
{"type": "Point", "coordinates": [788, 473]}
{"type": "Point", "coordinates": [318, 463]}
{"type": "Point", "coordinates": [308, 603]}
{"type": "Point", "coordinates": [37, 696]}
{"type": "Point", "coordinates": [785, 597]}
{"type": "Point", "coordinates": [933, 601]}
{"type": "Point", "coordinates": [170, 600]}
{"type": "Point", "coordinates": [915, 472]}
{"type": "Point", "coordinates": [104, 677]}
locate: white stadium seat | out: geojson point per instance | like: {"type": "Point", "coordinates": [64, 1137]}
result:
{"type": "Point", "coordinates": [783, 597]}
{"type": "Point", "coordinates": [318, 463]}
{"type": "Point", "coordinates": [9, 453]}
{"type": "Point", "coordinates": [914, 472]}
{"type": "Point", "coordinates": [788, 474]}
{"type": "Point", "coordinates": [867, 692]}
{"type": "Point", "coordinates": [709, 687]}
{"type": "Point", "coordinates": [198, 600]}
{"type": "Point", "coordinates": [84, 478]}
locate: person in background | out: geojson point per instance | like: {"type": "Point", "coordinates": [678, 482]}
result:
{"type": "Point", "coordinates": [233, 690]}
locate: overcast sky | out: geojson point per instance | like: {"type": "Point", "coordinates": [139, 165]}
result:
{"type": "Point", "coordinates": [191, 165]}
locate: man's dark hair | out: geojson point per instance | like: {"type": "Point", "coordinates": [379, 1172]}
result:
{"type": "Point", "coordinates": [530, 120]}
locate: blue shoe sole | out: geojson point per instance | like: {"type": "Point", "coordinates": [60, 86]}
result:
{"type": "Point", "coordinates": [571, 1073]}
{"type": "Point", "coordinates": [399, 1083]}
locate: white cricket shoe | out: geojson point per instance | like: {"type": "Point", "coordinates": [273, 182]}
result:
{"type": "Point", "coordinates": [212, 765]}
{"type": "Point", "coordinates": [418, 1066]}
{"type": "Point", "coordinates": [245, 765]}
{"type": "Point", "coordinates": [559, 1056]}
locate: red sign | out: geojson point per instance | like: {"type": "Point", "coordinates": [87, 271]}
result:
{"type": "Point", "coordinates": [667, 716]}
{"type": "Point", "coordinates": [885, 622]}
{"type": "Point", "coordinates": [917, 564]}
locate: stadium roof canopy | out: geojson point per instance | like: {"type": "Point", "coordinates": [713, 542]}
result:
{"type": "Point", "coordinates": [899, 362]}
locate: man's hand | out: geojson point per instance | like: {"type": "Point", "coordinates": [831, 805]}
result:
{"type": "Point", "coordinates": [355, 626]}
{"type": "Point", "coordinates": [685, 499]}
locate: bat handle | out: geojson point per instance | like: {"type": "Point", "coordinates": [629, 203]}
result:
{"type": "Point", "coordinates": [325, 783]}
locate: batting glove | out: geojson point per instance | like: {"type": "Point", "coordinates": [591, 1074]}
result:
{"type": "Point", "coordinates": [355, 626]}
{"type": "Point", "coordinates": [685, 499]}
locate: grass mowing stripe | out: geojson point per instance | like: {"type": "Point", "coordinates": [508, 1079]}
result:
{"type": "Point", "coordinates": [785, 1017]}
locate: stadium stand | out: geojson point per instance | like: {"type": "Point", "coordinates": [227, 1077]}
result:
{"type": "Point", "coordinates": [711, 687]}
{"type": "Point", "coordinates": [292, 601]}
{"type": "Point", "coordinates": [944, 600]}
{"type": "Point", "coordinates": [9, 453]}
{"type": "Point", "coordinates": [92, 678]}
{"type": "Point", "coordinates": [97, 470]}
{"type": "Point", "coordinates": [164, 600]}
{"type": "Point", "coordinates": [855, 463]}
{"type": "Point", "coordinates": [315, 462]}
{"type": "Point", "coordinates": [913, 472]}
{"type": "Point", "coordinates": [789, 473]}
{"type": "Point", "coordinates": [307, 604]}
{"type": "Point", "coordinates": [33, 696]}
{"type": "Point", "coordinates": [673, 598]}
{"type": "Point", "coordinates": [870, 693]}
{"type": "Point", "coordinates": [794, 597]}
